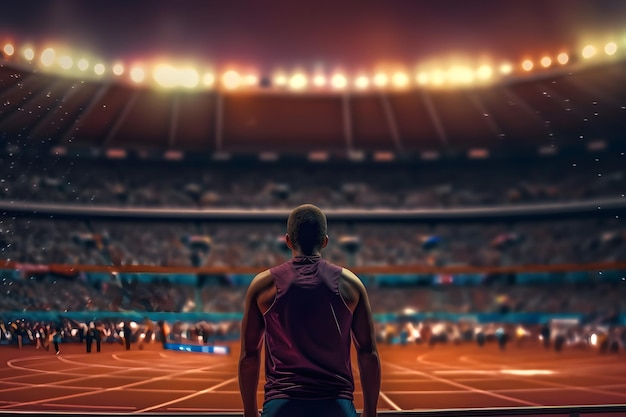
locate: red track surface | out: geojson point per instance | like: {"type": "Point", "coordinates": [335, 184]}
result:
{"type": "Point", "coordinates": [414, 377]}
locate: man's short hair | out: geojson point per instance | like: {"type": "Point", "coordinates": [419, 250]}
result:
{"type": "Point", "coordinates": [307, 228]}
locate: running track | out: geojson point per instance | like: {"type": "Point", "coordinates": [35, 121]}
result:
{"type": "Point", "coordinates": [414, 377]}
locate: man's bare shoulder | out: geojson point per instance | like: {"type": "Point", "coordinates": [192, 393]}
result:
{"type": "Point", "coordinates": [350, 278]}
{"type": "Point", "coordinates": [261, 282]}
{"type": "Point", "coordinates": [351, 288]}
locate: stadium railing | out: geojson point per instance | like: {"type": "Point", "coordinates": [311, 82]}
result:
{"type": "Point", "coordinates": [569, 411]}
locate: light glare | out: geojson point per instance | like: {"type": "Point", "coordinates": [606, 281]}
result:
{"type": "Point", "coordinates": [118, 68]}
{"type": "Point", "coordinates": [29, 54]}
{"type": "Point", "coordinates": [380, 80]}
{"type": "Point", "coordinates": [319, 81]}
{"type": "Point", "coordinates": [82, 64]}
{"type": "Point", "coordinates": [589, 51]}
{"type": "Point", "coordinates": [484, 72]}
{"type": "Point", "coordinates": [98, 69]}
{"type": "Point", "coordinates": [422, 78]}
{"type": "Point", "coordinates": [298, 81]}
{"type": "Point", "coordinates": [251, 80]}
{"type": "Point", "coordinates": [338, 81]}
{"type": "Point", "coordinates": [47, 57]}
{"type": "Point", "coordinates": [460, 75]}
{"type": "Point", "coordinates": [208, 79]}
{"type": "Point", "coordinates": [527, 65]}
{"type": "Point", "coordinates": [361, 82]}
{"type": "Point", "coordinates": [280, 80]}
{"type": "Point", "coordinates": [231, 79]}
{"type": "Point", "coordinates": [137, 74]}
{"type": "Point", "coordinates": [546, 61]}
{"type": "Point", "coordinates": [506, 68]}
{"type": "Point", "coordinates": [8, 49]}
{"type": "Point", "coordinates": [563, 58]}
{"type": "Point", "coordinates": [610, 48]}
{"type": "Point", "coordinates": [400, 80]}
{"type": "Point", "coordinates": [66, 62]}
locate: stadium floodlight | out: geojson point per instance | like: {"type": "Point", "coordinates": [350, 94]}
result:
{"type": "Point", "coordinates": [484, 72]}
{"type": "Point", "coordinates": [208, 79]}
{"type": "Point", "coordinates": [280, 80]}
{"type": "Point", "coordinates": [29, 54]}
{"type": "Point", "coordinates": [546, 61]}
{"type": "Point", "coordinates": [82, 64]}
{"type": "Point", "coordinates": [338, 81]}
{"type": "Point", "coordinates": [362, 82]}
{"type": "Point", "coordinates": [298, 81]}
{"type": "Point", "coordinates": [506, 68]}
{"type": "Point", "coordinates": [188, 77]}
{"type": "Point", "coordinates": [527, 65]}
{"type": "Point", "coordinates": [231, 79]}
{"type": "Point", "coordinates": [66, 62]}
{"type": "Point", "coordinates": [8, 49]}
{"type": "Point", "coordinates": [98, 68]}
{"type": "Point", "coordinates": [118, 68]}
{"type": "Point", "coordinates": [610, 48]}
{"type": "Point", "coordinates": [400, 79]}
{"type": "Point", "coordinates": [422, 78]}
{"type": "Point", "coordinates": [165, 75]}
{"type": "Point", "coordinates": [460, 75]}
{"type": "Point", "coordinates": [251, 80]}
{"type": "Point", "coordinates": [319, 80]}
{"type": "Point", "coordinates": [588, 51]}
{"type": "Point", "coordinates": [47, 57]}
{"type": "Point", "coordinates": [563, 58]}
{"type": "Point", "coordinates": [438, 77]}
{"type": "Point", "coordinates": [137, 74]}
{"type": "Point", "coordinates": [380, 80]}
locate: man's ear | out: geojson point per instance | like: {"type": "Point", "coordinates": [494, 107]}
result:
{"type": "Point", "coordinates": [325, 242]}
{"type": "Point", "coordinates": [288, 240]}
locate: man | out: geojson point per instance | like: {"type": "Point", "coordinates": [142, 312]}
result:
{"type": "Point", "coordinates": [308, 310]}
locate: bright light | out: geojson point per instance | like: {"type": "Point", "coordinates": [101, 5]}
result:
{"type": "Point", "coordinates": [589, 51]}
{"type": "Point", "coordinates": [82, 64]}
{"type": "Point", "coordinates": [610, 48]}
{"type": "Point", "coordinates": [380, 80]}
{"type": "Point", "coordinates": [338, 81]}
{"type": "Point", "coordinates": [66, 62]}
{"type": "Point", "coordinates": [29, 54]}
{"type": "Point", "coordinates": [208, 79]}
{"type": "Point", "coordinates": [137, 74]}
{"type": "Point", "coordinates": [8, 49]}
{"type": "Point", "coordinates": [361, 82]}
{"type": "Point", "coordinates": [280, 80]}
{"type": "Point", "coordinates": [422, 78]}
{"type": "Point", "coordinates": [546, 61]}
{"type": "Point", "coordinates": [438, 77]}
{"type": "Point", "coordinates": [165, 76]}
{"type": "Point", "coordinates": [319, 80]}
{"type": "Point", "coordinates": [298, 81]}
{"type": "Point", "coordinates": [460, 75]}
{"type": "Point", "coordinates": [527, 65]}
{"type": "Point", "coordinates": [188, 77]}
{"type": "Point", "coordinates": [231, 79]}
{"type": "Point", "coordinates": [47, 57]}
{"type": "Point", "coordinates": [251, 80]}
{"type": "Point", "coordinates": [506, 68]}
{"type": "Point", "coordinates": [98, 69]}
{"type": "Point", "coordinates": [594, 339]}
{"type": "Point", "coordinates": [563, 58]}
{"type": "Point", "coordinates": [118, 68]}
{"type": "Point", "coordinates": [400, 79]}
{"type": "Point", "coordinates": [484, 72]}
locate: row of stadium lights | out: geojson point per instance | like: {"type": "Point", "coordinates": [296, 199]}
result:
{"type": "Point", "coordinates": [168, 76]}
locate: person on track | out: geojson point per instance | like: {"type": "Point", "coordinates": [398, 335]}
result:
{"type": "Point", "coordinates": [308, 310]}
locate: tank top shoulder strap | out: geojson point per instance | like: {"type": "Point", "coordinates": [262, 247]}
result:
{"type": "Point", "coordinates": [283, 275]}
{"type": "Point", "coordinates": [331, 274]}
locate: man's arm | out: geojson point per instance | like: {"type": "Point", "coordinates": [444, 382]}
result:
{"type": "Point", "coordinates": [252, 330]}
{"type": "Point", "coordinates": [364, 337]}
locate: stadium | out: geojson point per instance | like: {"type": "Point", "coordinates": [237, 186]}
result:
{"type": "Point", "coordinates": [479, 198]}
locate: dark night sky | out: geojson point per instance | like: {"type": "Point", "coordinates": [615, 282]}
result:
{"type": "Point", "coordinates": [269, 34]}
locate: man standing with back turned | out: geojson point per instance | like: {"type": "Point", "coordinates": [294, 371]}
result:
{"type": "Point", "coordinates": [308, 310]}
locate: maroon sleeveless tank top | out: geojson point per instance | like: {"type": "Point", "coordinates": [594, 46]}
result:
{"type": "Point", "coordinates": [308, 333]}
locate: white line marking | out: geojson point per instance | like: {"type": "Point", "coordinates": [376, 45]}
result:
{"type": "Point", "coordinates": [391, 403]}
{"type": "Point", "coordinates": [186, 397]}
{"type": "Point", "coordinates": [466, 387]}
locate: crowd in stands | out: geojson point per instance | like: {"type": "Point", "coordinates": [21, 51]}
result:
{"type": "Point", "coordinates": [42, 241]}
{"type": "Point", "coordinates": [217, 184]}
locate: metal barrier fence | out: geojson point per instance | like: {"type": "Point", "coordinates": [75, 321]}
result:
{"type": "Point", "coordinates": [568, 411]}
